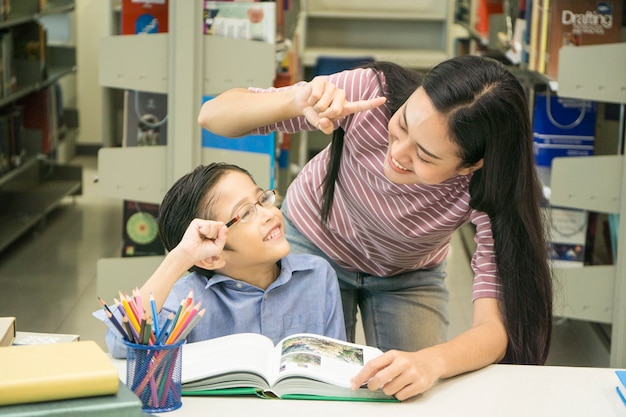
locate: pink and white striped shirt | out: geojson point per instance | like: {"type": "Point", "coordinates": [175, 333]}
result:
{"type": "Point", "coordinates": [376, 226]}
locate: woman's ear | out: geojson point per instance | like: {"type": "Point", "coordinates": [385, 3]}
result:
{"type": "Point", "coordinates": [468, 170]}
{"type": "Point", "coordinates": [212, 263]}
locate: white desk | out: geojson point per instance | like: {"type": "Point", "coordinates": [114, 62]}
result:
{"type": "Point", "coordinates": [498, 391]}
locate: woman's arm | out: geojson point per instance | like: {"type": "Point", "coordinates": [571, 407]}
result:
{"type": "Point", "coordinates": [406, 374]}
{"type": "Point", "coordinates": [238, 111]}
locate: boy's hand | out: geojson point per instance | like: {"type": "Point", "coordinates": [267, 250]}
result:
{"type": "Point", "coordinates": [203, 239]}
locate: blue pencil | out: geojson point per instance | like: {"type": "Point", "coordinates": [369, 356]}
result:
{"type": "Point", "coordinates": [164, 332]}
{"type": "Point", "coordinates": [155, 317]}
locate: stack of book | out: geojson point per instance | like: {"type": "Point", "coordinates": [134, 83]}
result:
{"type": "Point", "coordinates": [69, 379]}
{"type": "Point", "coordinates": [7, 331]}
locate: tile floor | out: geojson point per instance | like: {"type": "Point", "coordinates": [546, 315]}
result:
{"type": "Point", "coordinates": [48, 277]}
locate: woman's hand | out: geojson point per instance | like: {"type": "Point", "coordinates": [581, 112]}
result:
{"type": "Point", "coordinates": [402, 374]}
{"type": "Point", "coordinates": [406, 374]}
{"type": "Point", "coordinates": [322, 103]}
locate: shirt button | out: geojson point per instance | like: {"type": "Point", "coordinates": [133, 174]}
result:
{"type": "Point", "coordinates": [266, 296]}
{"type": "Point", "coordinates": [239, 285]}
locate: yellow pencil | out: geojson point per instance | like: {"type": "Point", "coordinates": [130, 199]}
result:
{"type": "Point", "coordinates": [129, 312]}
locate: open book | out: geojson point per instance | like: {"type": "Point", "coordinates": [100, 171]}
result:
{"type": "Point", "coordinates": [301, 366]}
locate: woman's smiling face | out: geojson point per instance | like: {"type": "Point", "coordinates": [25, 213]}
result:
{"type": "Point", "coordinates": [420, 151]}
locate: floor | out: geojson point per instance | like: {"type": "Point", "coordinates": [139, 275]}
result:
{"type": "Point", "coordinates": [48, 277]}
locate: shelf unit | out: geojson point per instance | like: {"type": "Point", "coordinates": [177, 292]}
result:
{"type": "Point", "coordinates": [185, 64]}
{"type": "Point", "coordinates": [416, 34]}
{"type": "Point", "coordinates": [31, 190]}
{"type": "Point", "coordinates": [595, 183]}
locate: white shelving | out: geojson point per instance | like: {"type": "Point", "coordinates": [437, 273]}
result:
{"type": "Point", "coordinates": [186, 65]}
{"type": "Point", "coordinates": [143, 65]}
{"type": "Point", "coordinates": [595, 183]}
{"type": "Point", "coordinates": [412, 33]}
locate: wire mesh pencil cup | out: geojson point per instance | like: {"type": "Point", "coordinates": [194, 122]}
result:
{"type": "Point", "coordinates": [153, 373]}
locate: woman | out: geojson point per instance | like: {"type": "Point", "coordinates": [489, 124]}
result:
{"type": "Point", "coordinates": [383, 200]}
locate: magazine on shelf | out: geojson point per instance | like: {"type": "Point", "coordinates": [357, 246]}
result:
{"type": "Point", "coordinates": [301, 366]}
{"type": "Point", "coordinates": [254, 21]}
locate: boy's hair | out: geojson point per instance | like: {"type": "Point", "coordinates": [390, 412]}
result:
{"type": "Point", "coordinates": [190, 197]}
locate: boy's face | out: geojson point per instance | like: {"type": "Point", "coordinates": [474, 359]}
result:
{"type": "Point", "coordinates": [257, 242]}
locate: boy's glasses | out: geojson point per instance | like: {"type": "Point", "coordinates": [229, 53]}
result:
{"type": "Point", "coordinates": [248, 211]}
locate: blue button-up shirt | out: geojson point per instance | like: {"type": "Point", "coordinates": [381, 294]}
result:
{"type": "Point", "coordinates": [305, 298]}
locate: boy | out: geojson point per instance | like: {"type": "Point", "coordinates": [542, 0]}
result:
{"type": "Point", "coordinates": [239, 263]}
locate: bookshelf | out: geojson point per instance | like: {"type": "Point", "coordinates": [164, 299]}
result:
{"type": "Point", "coordinates": [416, 34]}
{"type": "Point", "coordinates": [595, 183]}
{"type": "Point", "coordinates": [34, 182]}
{"type": "Point", "coordinates": [186, 65]}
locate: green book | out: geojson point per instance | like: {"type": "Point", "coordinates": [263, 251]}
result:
{"type": "Point", "coordinates": [301, 366]}
{"type": "Point", "coordinates": [123, 404]}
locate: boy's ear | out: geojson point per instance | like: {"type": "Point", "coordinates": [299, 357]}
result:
{"type": "Point", "coordinates": [212, 263]}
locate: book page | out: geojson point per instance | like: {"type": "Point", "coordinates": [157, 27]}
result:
{"type": "Point", "coordinates": [321, 358]}
{"type": "Point", "coordinates": [234, 354]}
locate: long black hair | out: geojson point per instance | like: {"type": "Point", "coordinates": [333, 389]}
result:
{"type": "Point", "coordinates": [488, 118]}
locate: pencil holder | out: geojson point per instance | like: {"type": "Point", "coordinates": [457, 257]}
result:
{"type": "Point", "coordinates": [153, 373]}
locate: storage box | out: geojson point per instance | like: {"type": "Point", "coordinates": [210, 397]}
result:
{"type": "Point", "coordinates": [562, 127]}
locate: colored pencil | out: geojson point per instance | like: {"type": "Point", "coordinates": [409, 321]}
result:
{"type": "Point", "coordinates": [117, 324]}
{"type": "Point", "coordinates": [129, 329]}
{"type": "Point", "coordinates": [148, 331]}
{"type": "Point", "coordinates": [129, 312]}
{"type": "Point", "coordinates": [182, 322]}
{"type": "Point", "coordinates": [155, 316]}
{"type": "Point", "coordinates": [165, 329]}
{"type": "Point", "coordinates": [177, 315]}
{"type": "Point", "coordinates": [138, 302]}
{"type": "Point", "coordinates": [189, 328]}
{"type": "Point", "coordinates": [142, 329]}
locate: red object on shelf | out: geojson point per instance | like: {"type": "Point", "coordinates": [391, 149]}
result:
{"type": "Point", "coordinates": [486, 8]}
{"type": "Point", "coordinates": [149, 16]}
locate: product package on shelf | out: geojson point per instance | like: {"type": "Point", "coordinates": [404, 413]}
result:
{"type": "Point", "coordinates": [580, 22]}
{"type": "Point", "coordinates": [29, 53]}
{"type": "Point", "coordinates": [145, 124]}
{"type": "Point", "coordinates": [41, 120]}
{"type": "Point", "coordinates": [241, 20]}
{"type": "Point", "coordinates": [144, 16]}
{"type": "Point", "coordinates": [12, 143]}
{"type": "Point", "coordinates": [561, 127]}
{"type": "Point", "coordinates": [8, 79]}
{"type": "Point", "coordinates": [145, 118]}
{"type": "Point", "coordinates": [141, 231]}
{"type": "Point", "coordinates": [568, 236]}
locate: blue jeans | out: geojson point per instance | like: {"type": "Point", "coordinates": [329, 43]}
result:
{"type": "Point", "coordinates": [406, 312]}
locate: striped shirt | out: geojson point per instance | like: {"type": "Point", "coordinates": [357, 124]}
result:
{"type": "Point", "coordinates": [378, 227]}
